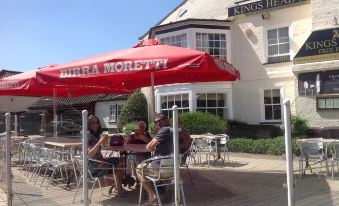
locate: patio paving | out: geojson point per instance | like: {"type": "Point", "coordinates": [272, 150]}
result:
{"type": "Point", "coordinates": [254, 180]}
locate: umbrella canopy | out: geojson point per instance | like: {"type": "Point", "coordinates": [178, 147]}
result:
{"type": "Point", "coordinates": [26, 84]}
{"type": "Point", "coordinates": [131, 68]}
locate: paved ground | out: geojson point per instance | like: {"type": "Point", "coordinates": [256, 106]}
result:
{"type": "Point", "coordinates": [251, 180]}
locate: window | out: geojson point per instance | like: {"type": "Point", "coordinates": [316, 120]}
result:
{"type": "Point", "coordinates": [167, 102]}
{"type": "Point", "coordinates": [272, 104]}
{"type": "Point", "coordinates": [278, 45]}
{"type": "Point", "coordinates": [114, 112]}
{"type": "Point", "coordinates": [212, 43]}
{"type": "Point", "coordinates": [177, 40]}
{"type": "Point", "coordinates": [328, 103]}
{"type": "Point", "coordinates": [214, 103]}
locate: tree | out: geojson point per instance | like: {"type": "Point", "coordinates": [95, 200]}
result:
{"type": "Point", "coordinates": [134, 109]}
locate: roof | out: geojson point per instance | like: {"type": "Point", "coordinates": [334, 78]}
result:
{"type": "Point", "coordinates": [47, 102]}
{"type": "Point", "coordinates": [6, 73]}
{"type": "Point", "coordinates": [193, 9]}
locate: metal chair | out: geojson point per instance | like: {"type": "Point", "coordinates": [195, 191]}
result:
{"type": "Point", "coordinates": [207, 147]}
{"type": "Point", "coordinates": [164, 177]}
{"type": "Point", "coordinates": [335, 157]}
{"type": "Point", "coordinates": [94, 180]}
{"type": "Point", "coordinates": [189, 153]}
{"type": "Point", "coordinates": [222, 145]}
{"type": "Point", "coordinates": [311, 150]}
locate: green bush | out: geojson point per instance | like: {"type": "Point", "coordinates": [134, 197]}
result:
{"type": "Point", "coordinates": [151, 127]}
{"type": "Point", "coordinates": [201, 122]}
{"type": "Point", "coordinates": [129, 127]}
{"type": "Point", "coordinates": [299, 126]}
{"type": "Point", "coordinates": [275, 146]}
{"type": "Point", "coordinates": [134, 109]}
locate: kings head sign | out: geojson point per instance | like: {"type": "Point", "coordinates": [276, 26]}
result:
{"type": "Point", "coordinates": [322, 45]}
{"type": "Point", "coordinates": [261, 7]}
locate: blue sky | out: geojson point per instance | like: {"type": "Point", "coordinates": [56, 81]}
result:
{"type": "Point", "coordinates": [35, 33]}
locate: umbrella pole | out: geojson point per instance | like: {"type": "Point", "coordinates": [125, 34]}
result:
{"type": "Point", "coordinates": [152, 97]}
{"type": "Point", "coordinates": [55, 117]}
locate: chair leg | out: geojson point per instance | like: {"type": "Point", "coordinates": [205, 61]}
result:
{"type": "Point", "coordinates": [93, 187]}
{"type": "Point", "coordinates": [332, 168]}
{"type": "Point", "coordinates": [189, 174]}
{"type": "Point", "coordinates": [157, 192]}
{"type": "Point", "coordinates": [183, 195]}
{"type": "Point", "coordinates": [76, 192]}
{"type": "Point", "coordinates": [43, 178]}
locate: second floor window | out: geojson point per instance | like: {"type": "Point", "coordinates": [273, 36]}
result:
{"type": "Point", "coordinates": [177, 40]}
{"type": "Point", "coordinates": [212, 43]}
{"type": "Point", "coordinates": [278, 45]}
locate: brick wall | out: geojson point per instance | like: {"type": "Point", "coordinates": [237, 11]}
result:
{"type": "Point", "coordinates": [323, 12]}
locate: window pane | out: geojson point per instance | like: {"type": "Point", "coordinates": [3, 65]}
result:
{"type": "Point", "coordinates": [177, 100]}
{"type": "Point", "coordinates": [185, 102]}
{"type": "Point", "coordinates": [222, 36]}
{"type": "Point", "coordinates": [164, 102]}
{"type": "Point", "coordinates": [211, 100]}
{"type": "Point", "coordinates": [198, 36]}
{"type": "Point", "coordinates": [336, 103]}
{"type": "Point", "coordinates": [221, 100]}
{"type": "Point", "coordinates": [322, 103]}
{"type": "Point", "coordinates": [284, 48]}
{"type": "Point", "coordinates": [210, 36]}
{"type": "Point", "coordinates": [272, 41]}
{"type": "Point", "coordinates": [276, 112]}
{"type": "Point", "coordinates": [272, 34]}
{"type": "Point", "coordinates": [267, 97]}
{"type": "Point", "coordinates": [272, 50]}
{"type": "Point", "coordinates": [283, 32]}
{"type": "Point", "coordinates": [170, 100]}
{"type": "Point", "coordinates": [329, 103]}
{"type": "Point", "coordinates": [201, 100]}
{"type": "Point", "coordinates": [276, 96]}
{"type": "Point", "coordinates": [211, 43]}
{"type": "Point", "coordinates": [217, 44]}
{"type": "Point", "coordinates": [268, 112]}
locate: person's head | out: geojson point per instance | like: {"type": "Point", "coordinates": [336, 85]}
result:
{"type": "Point", "coordinates": [140, 127]}
{"type": "Point", "coordinates": [161, 120]}
{"type": "Point", "coordinates": [93, 125]}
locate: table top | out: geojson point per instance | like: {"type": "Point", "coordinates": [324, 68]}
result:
{"type": "Point", "coordinates": [27, 137]}
{"type": "Point", "coordinates": [139, 148]}
{"type": "Point", "coordinates": [317, 140]}
{"type": "Point", "coordinates": [62, 142]}
{"type": "Point", "coordinates": [209, 136]}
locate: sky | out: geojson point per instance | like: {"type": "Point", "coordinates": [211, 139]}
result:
{"type": "Point", "coordinates": [35, 33]}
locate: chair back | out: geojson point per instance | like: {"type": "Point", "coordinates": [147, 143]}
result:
{"type": "Point", "coordinates": [312, 148]}
{"type": "Point", "coordinates": [166, 168]}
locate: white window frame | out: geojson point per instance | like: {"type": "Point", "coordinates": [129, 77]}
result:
{"type": "Point", "coordinates": [216, 92]}
{"type": "Point", "coordinates": [262, 105]}
{"type": "Point", "coordinates": [113, 118]}
{"type": "Point", "coordinates": [173, 94]}
{"type": "Point", "coordinates": [290, 34]}
{"type": "Point", "coordinates": [175, 33]}
{"type": "Point", "coordinates": [214, 31]}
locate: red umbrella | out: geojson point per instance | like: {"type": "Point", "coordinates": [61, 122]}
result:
{"type": "Point", "coordinates": [26, 84]}
{"type": "Point", "coordinates": [131, 68]}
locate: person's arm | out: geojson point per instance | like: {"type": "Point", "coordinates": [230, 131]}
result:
{"type": "Point", "coordinates": [152, 144]}
{"type": "Point", "coordinates": [92, 150]}
{"type": "Point", "coordinates": [143, 137]}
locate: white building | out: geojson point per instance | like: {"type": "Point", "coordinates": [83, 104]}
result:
{"type": "Point", "coordinates": [260, 38]}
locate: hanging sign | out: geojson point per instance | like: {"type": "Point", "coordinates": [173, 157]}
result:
{"type": "Point", "coordinates": [320, 46]}
{"type": "Point", "coordinates": [261, 7]}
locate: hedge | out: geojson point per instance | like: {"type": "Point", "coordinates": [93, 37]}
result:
{"type": "Point", "coordinates": [275, 146]}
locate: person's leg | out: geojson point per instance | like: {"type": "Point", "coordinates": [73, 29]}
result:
{"type": "Point", "coordinates": [146, 184]}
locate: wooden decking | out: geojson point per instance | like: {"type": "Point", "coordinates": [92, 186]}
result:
{"type": "Point", "coordinates": [255, 180]}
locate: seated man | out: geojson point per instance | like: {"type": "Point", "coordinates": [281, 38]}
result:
{"type": "Point", "coordinates": [162, 145]}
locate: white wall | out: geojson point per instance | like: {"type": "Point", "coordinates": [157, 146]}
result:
{"type": "Point", "coordinates": [323, 13]}
{"type": "Point", "coordinates": [102, 112]}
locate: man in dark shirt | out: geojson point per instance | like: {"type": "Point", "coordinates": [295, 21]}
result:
{"type": "Point", "coordinates": [162, 145]}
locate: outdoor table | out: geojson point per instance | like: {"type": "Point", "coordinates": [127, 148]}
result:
{"type": "Point", "coordinates": [63, 143]}
{"type": "Point", "coordinates": [216, 138]}
{"type": "Point", "coordinates": [326, 143]}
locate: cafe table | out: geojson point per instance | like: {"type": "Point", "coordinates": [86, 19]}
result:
{"type": "Point", "coordinates": [63, 143]}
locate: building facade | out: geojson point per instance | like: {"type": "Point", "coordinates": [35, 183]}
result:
{"type": "Point", "coordinates": [263, 39]}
